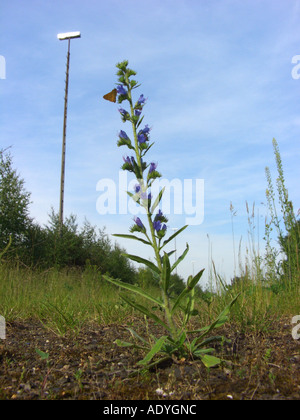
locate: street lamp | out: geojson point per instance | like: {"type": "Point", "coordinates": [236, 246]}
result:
{"type": "Point", "coordinates": [61, 37]}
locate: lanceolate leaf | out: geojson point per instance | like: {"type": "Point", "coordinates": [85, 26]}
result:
{"type": "Point", "coordinates": [173, 236]}
{"type": "Point", "coordinates": [210, 361]}
{"type": "Point", "coordinates": [143, 261]}
{"type": "Point", "coordinates": [157, 200]}
{"type": "Point", "coordinates": [155, 349]}
{"type": "Point", "coordinates": [135, 334]}
{"type": "Point", "coordinates": [145, 311]}
{"type": "Point", "coordinates": [180, 258]}
{"type": "Point", "coordinates": [134, 289]}
{"type": "Point", "coordinates": [44, 356]}
{"type": "Point", "coordinates": [132, 237]}
{"type": "Point", "coordinates": [221, 319]}
{"type": "Point", "coordinates": [188, 289]}
{"type": "Point", "coordinates": [166, 272]}
{"type": "Point", "coordinates": [121, 343]}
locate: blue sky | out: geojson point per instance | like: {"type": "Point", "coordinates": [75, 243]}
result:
{"type": "Point", "coordinates": [217, 75]}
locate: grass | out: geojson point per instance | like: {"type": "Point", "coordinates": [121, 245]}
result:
{"type": "Point", "coordinates": [65, 300]}
{"type": "Point", "coordinates": [62, 300]}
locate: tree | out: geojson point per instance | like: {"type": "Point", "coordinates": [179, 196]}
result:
{"type": "Point", "coordinates": [14, 203]}
{"type": "Point", "coordinates": [290, 246]}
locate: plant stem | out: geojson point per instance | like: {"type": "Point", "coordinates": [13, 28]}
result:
{"type": "Point", "coordinates": [165, 296]}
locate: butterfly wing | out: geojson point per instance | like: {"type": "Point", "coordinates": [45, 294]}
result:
{"type": "Point", "coordinates": [111, 96]}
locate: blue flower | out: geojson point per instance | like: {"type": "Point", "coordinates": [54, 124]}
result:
{"type": "Point", "coordinates": [159, 215]}
{"type": "Point", "coordinates": [139, 222]}
{"type": "Point", "coordinates": [143, 134]}
{"type": "Point", "coordinates": [121, 90]}
{"type": "Point", "coordinates": [137, 188]}
{"type": "Point", "coordinates": [141, 100]}
{"type": "Point", "coordinates": [142, 138]}
{"type": "Point", "coordinates": [129, 160]}
{"type": "Point", "coordinates": [145, 130]}
{"type": "Point", "coordinates": [123, 112]}
{"type": "Point", "coordinates": [157, 225]}
{"type": "Point", "coordinates": [153, 167]}
{"type": "Point", "coordinates": [123, 135]}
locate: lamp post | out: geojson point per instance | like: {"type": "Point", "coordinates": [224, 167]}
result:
{"type": "Point", "coordinates": [61, 37]}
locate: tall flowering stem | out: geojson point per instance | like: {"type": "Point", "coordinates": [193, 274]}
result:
{"type": "Point", "coordinates": [141, 146]}
{"type": "Point", "coordinates": [175, 341]}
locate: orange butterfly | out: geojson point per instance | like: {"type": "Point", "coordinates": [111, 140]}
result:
{"type": "Point", "coordinates": [111, 96]}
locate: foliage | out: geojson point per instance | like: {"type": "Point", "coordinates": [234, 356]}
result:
{"type": "Point", "coordinates": [290, 246]}
{"type": "Point", "coordinates": [27, 243]}
{"type": "Point", "coordinates": [176, 341]}
{"type": "Point", "coordinates": [286, 226]}
{"type": "Point", "coordinates": [14, 204]}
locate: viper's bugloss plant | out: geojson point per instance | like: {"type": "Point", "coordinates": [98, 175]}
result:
{"type": "Point", "coordinates": [176, 341]}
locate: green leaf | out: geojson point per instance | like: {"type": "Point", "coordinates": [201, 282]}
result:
{"type": "Point", "coordinates": [134, 289]}
{"type": "Point", "coordinates": [187, 290]}
{"type": "Point", "coordinates": [125, 142]}
{"type": "Point", "coordinates": [135, 334]}
{"type": "Point", "coordinates": [180, 258]}
{"type": "Point", "coordinates": [145, 311]}
{"type": "Point", "coordinates": [221, 320]}
{"type": "Point", "coordinates": [173, 236]}
{"type": "Point", "coordinates": [122, 343]}
{"type": "Point", "coordinates": [203, 351]}
{"type": "Point", "coordinates": [44, 356]}
{"type": "Point", "coordinates": [155, 349]}
{"type": "Point", "coordinates": [209, 361]}
{"type": "Point", "coordinates": [171, 253]}
{"type": "Point", "coordinates": [181, 340]}
{"type": "Point", "coordinates": [132, 237]}
{"type": "Point", "coordinates": [190, 311]}
{"type": "Point", "coordinates": [157, 200]}
{"type": "Point", "coordinates": [195, 346]}
{"type": "Point", "coordinates": [140, 122]}
{"type": "Point", "coordinates": [143, 261]}
{"type": "Point", "coordinates": [166, 273]}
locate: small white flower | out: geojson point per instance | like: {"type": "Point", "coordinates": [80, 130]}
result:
{"type": "Point", "coordinates": [160, 392]}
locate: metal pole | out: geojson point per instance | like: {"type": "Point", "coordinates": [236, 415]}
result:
{"type": "Point", "coordinates": [63, 155]}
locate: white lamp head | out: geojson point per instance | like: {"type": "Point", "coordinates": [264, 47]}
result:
{"type": "Point", "coordinates": [68, 35]}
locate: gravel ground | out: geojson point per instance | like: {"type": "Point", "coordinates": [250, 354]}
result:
{"type": "Point", "coordinates": [88, 365]}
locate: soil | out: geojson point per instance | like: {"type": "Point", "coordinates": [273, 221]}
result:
{"type": "Point", "coordinates": [88, 365]}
